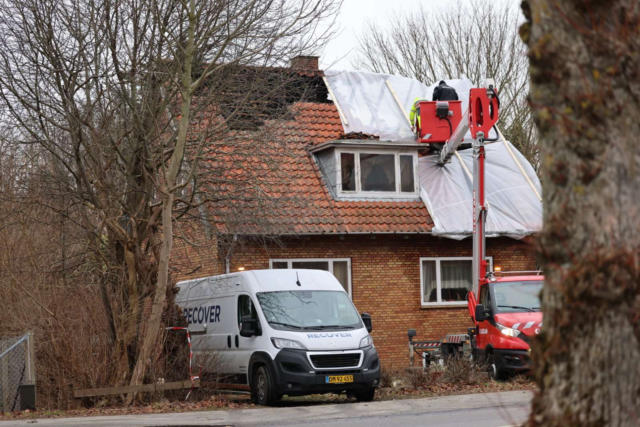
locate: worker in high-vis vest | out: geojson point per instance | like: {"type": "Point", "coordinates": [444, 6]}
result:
{"type": "Point", "coordinates": [414, 114]}
{"type": "Point", "coordinates": [442, 92]}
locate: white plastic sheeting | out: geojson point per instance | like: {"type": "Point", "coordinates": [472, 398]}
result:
{"type": "Point", "coordinates": [514, 208]}
{"type": "Point", "coordinates": [370, 107]}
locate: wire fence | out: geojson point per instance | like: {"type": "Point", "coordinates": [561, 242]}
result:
{"type": "Point", "coordinates": [17, 371]}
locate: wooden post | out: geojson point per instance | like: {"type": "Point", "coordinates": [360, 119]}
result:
{"type": "Point", "coordinates": [395, 97]}
{"type": "Point", "coordinates": [74, 402]}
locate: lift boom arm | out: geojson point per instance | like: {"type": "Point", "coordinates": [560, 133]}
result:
{"type": "Point", "coordinates": [483, 114]}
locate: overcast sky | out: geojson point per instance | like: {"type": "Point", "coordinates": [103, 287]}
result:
{"type": "Point", "coordinates": [352, 21]}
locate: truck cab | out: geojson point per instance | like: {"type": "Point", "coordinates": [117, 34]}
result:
{"type": "Point", "coordinates": [507, 316]}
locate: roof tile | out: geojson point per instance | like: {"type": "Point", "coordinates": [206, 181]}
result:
{"type": "Point", "coordinates": [305, 205]}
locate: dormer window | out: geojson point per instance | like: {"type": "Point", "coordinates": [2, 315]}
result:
{"type": "Point", "coordinates": [373, 173]}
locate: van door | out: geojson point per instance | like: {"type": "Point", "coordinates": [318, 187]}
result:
{"type": "Point", "coordinates": [213, 350]}
{"type": "Point", "coordinates": [246, 346]}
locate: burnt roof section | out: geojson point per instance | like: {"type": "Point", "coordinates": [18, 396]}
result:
{"type": "Point", "coordinates": [248, 97]}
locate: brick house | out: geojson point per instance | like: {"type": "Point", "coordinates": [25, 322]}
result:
{"type": "Point", "coordinates": [362, 219]}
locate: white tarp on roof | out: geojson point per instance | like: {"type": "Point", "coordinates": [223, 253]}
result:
{"type": "Point", "coordinates": [514, 208]}
{"type": "Point", "coordinates": [369, 106]}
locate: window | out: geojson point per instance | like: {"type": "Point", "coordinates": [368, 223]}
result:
{"type": "Point", "coordinates": [377, 174]}
{"type": "Point", "coordinates": [246, 308]}
{"type": "Point", "coordinates": [446, 281]}
{"type": "Point", "coordinates": [484, 297]}
{"type": "Point", "coordinates": [287, 310]}
{"type": "Point", "coordinates": [339, 267]}
{"type": "Point", "coordinates": [517, 297]}
{"type": "Point", "coordinates": [348, 171]}
{"type": "Point", "coordinates": [407, 183]}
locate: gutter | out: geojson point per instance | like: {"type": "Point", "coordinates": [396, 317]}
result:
{"type": "Point", "coordinates": [371, 143]}
{"type": "Point", "coordinates": [340, 233]}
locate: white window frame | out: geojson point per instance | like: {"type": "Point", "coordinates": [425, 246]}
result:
{"type": "Point", "coordinates": [289, 262]}
{"type": "Point", "coordinates": [441, 303]}
{"type": "Point", "coordinates": [377, 194]}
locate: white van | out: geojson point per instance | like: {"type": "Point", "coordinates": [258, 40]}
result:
{"type": "Point", "coordinates": [285, 332]}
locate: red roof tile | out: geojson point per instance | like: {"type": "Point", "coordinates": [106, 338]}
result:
{"type": "Point", "coordinates": [300, 202]}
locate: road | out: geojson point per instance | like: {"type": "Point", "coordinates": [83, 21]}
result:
{"type": "Point", "coordinates": [484, 410]}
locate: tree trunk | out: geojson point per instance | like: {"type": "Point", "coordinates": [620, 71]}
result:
{"type": "Point", "coordinates": [585, 92]}
{"type": "Point", "coordinates": [159, 297]}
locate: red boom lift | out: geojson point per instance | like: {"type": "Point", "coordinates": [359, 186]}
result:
{"type": "Point", "coordinates": [507, 313]}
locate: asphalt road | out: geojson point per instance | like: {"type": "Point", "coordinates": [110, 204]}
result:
{"type": "Point", "coordinates": [479, 410]}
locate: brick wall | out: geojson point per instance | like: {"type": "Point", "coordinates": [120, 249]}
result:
{"type": "Point", "coordinates": [305, 63]}
{"type": "Point", "coordinates": [385, 274]}
{"type": "Point", "coordinates": [195, 253]}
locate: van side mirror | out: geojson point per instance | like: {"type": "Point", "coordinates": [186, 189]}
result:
{"type": "Point", "coordinates": [248, 327]}
{"type": "Point", "coordinates": [366, 319]}
{"type": "Point", "coordinates": [481, 313]}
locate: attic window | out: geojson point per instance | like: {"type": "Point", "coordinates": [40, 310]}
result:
{"type": "Point", "coordinates": [377, 174]}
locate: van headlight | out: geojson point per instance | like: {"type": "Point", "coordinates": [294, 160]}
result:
{"type": "Point", "coordinates": [510, 332]}
{"type": "Point", "coordinates": [366, 341]}
{"type": "Point", "coordinates": [282, 343]}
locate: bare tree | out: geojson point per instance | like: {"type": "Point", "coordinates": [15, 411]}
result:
{"type": "Point", "coordinates": [125, 98]}
{"type": "Point", "coordinates": [477, 39]}
{"type": "Point", "coordinates": [585, 93]}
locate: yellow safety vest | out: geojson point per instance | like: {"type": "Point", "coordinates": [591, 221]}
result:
{"type": "Point", "coordinates": [413, 114]}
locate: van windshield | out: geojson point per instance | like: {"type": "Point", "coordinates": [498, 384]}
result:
{"type": "Point", "coordinates": [309, 310]}
{"type": "Point", "coordinates": [517, 297]}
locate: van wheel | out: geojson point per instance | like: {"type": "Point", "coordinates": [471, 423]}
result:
{"type": "Point", "coordinates": [495, 373]}
{"type": "Point", "coordinates": [365, 396]}
{"type": "Point", "coordinates": [262, 390]}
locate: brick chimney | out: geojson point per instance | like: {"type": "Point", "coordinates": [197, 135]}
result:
{"type": "Point", "coordinates": [309, 63]}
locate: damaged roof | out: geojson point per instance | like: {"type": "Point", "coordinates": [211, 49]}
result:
{"type": "Point", "coordinates": [267, 181]}
{"type": "Point", "coordinates": [299, 201]}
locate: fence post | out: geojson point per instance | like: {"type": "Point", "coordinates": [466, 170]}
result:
{"type": "Point", "coordinates": [31, 359]}
{"type": "Point", "coordinates": [6, 392]}
{"type": "Point", "coordinates": [410, 354]}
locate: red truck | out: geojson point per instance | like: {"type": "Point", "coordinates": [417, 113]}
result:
{"type": "Point", "coordinates": [506, 313]}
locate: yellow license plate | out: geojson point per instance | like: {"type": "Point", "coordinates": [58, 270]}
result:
{"type": "Point", "coordinates": [339, 379]}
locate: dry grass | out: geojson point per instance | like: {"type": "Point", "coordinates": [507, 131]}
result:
{"type": "Point", "coordinates": [387, 376]}
{"type": "Point", "coordinates": [418, 377]}
{"type": "Point", "coordinates": [458, 373]}
{"type": "Point", "coordinates": [459, 370]}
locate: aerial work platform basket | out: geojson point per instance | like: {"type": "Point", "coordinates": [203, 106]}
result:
{"type": "Point", "coordinates": [437, 120]}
